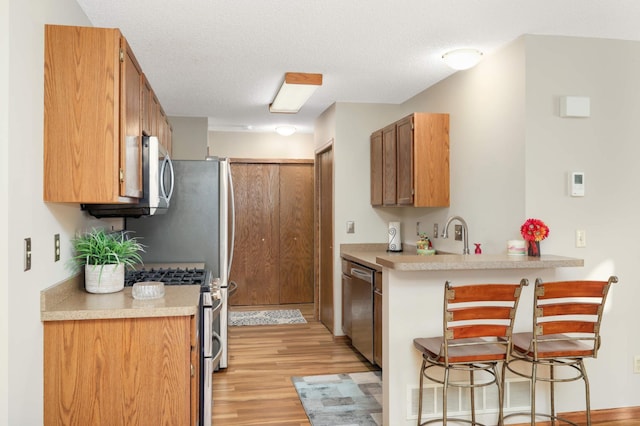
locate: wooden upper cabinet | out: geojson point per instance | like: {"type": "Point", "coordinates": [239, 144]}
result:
{"type": "Point", "coordinates": [95, 99]}
{"type": "Point", "coordinates": [149, 108]}
{"type": "Point", "coordinates": [404, 156]}
{"type": "Point", "coordinates": [415, 161]}
{"type": "Point", "coordinates": [130, 123]}
{"type": "Point", "coordinates": [376, 168]}
{"type": "Point", "coordinates": [389, 176]}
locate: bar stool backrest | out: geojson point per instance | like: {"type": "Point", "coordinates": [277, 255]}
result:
{"type": "Point", "coordinates": [477, 314]}
{"type": "Point", "coordinates": [567, 315]}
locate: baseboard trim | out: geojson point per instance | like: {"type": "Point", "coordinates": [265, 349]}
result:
{"type": "Point", "coordinates": [341, 339]}
{"type": "Point", "coordinates": [609, 414]}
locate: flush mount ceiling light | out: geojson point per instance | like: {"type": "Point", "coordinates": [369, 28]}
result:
{"type": "Point", "coordinates": [462, 59]}
{"type": "Point", "coordinates": [285, 130]}
{"type": "Point", "coordinates": [296, 89]}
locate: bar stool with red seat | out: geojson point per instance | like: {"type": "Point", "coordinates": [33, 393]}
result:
{"type": "Point", "coordinates": [477, 327]}
{"type": "Point", "coordinates": [566, 330]}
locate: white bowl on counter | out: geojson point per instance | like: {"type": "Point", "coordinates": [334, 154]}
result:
{"type": "Point", "coordinates": [147, 290]}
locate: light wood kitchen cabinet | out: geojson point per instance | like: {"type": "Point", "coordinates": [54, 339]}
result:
{"type": "Point", "coordinates": [149, 109]}
{"type": "Point", "coordinates": [346, 300]}
{"type": "Point", "coordinates": [273, 256]}
{"type": "Point", "coordinates": [389, 164]}
{"type": "Point", "coordinates": [377, 165]}
{"type": "Point", "coordinates": [377, 319]}
{"type": "Point", "coordinates": [164, 129]}
{"type": "Point", "coordinates": [92, 116]}
{"type": "Point", "coordinates": [121, 371]}
{"type": "Point", "coordinates": [415, 169]}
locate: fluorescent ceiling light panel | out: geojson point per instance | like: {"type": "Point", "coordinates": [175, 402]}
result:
{"type": "Point", "coordinates": [296, 89]}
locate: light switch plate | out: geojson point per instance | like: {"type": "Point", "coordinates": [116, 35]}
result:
{"type": "Point", "coordinates": [351, 227]}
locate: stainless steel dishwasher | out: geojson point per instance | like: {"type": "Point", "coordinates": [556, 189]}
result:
{"type": "Point", "coordinates": [362, 309]}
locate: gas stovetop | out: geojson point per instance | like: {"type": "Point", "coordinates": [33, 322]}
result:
{"type": "Point", "coordinates": [171, 276]}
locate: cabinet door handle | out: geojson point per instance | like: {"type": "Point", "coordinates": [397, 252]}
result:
{"type": "Point", "coordinates": [193, 371]}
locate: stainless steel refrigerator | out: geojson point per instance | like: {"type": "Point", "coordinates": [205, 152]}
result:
{"type": "Point", "coordinates": [198, 226]}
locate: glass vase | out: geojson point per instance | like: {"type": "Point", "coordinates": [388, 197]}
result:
{"type": "Point", "coordinates": [534, 248]}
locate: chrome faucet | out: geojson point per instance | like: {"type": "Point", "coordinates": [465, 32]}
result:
{"type": "Point", "coordinates": [465, 232]}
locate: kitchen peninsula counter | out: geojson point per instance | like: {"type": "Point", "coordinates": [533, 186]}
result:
{"type": "Point", "coordinates": [412, 294]}
{"type": "Point", "coordinates": [69, 301]}
{"type": "Point", "coordinates": [375, 256]}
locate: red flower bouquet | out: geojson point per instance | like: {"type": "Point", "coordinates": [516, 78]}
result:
{"type": "Point", "coordinates": [534, 231]}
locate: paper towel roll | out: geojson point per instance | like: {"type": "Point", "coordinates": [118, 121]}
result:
{"type": "Point", "coordinates": [516, 247]}
{"type": "Point", "coordinates": [394, 237]}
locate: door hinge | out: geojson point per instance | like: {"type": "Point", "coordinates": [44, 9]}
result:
{"type": "Point", "coordinates": [121, 175]}
{"type": "Point", "coordinates": [121, 55]}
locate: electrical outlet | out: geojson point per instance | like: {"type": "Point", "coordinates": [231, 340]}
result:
{"type": "Point", "coordinates": [435, 230]}
{"type": "Point", "coordinates": [636, 364]}
{"type": "Point", "coordinates": [458, 232]}
{"type": "Point", "coordinates": [581, 238]}
{"type": "Point", "coordinates": [56, 247]}
{"type": "Point", "coordinates": [27, 254]}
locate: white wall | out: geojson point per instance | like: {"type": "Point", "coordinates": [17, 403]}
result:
{"type": "Point", "coordinates": [258, 145]}
{"type": "Point", "coordinates": [189, 138]}
{"type": "Point", "coordinates": [354, 124]}
{"type": "Point", "coordinates": [487, 151]}
{"type": "Point", "coordinates": [21, 124]}
{"type": "Point", "coordinates": [4, 211]}
{"type": "Point", "coordinates": [605, 147]}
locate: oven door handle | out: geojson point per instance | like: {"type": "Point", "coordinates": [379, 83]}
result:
{"type": "Point", "coordinates": [216, 357]}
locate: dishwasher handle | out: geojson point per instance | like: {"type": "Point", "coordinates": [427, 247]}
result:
{"type": "Point", "coordinates": [362, 274]}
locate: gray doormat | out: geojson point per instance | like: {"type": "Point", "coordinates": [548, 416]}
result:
{"type": "Point", "coordinates": [342, 399]}
{"type": "Point", "coordinates": [274, 317]}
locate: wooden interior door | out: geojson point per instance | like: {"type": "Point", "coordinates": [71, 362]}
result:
{"type": "Point", "coordinates": [324, 178]}
{"type": "Point", "coordinates": [296, 233]}
{"type": "Point", "coordinates": [256, 256]}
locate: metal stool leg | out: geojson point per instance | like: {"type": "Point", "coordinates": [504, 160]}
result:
{"type": "Point", "coordinates": [473, 398]}
{"type": "Point", "coordinates": [553, 395]}
{"type": "Point", "coordinates": [444, 396]}
{"type": "Point", "coordinates": [500, 385]}
{"type": "Point", "coordinates": [534, 371]}
{"type": "Point", "coordinates": [420, 392]}
{"type": "Point", "coordinates": [587, 392]}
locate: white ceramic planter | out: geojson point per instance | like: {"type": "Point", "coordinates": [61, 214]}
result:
{"type": "Point", "coordinates": [104, 278]}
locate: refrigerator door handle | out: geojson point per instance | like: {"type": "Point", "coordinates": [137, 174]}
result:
{"type": "Point", "coordinates": [233, 286]}
{"type": "Point", "coordinates": [233, 219]}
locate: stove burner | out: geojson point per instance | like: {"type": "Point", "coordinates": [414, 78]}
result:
{"type": "Point", "coordinates": [169, 276]}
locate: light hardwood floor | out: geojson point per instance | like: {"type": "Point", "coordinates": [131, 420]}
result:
{"type": "Point", "coordinates": [256, 389]}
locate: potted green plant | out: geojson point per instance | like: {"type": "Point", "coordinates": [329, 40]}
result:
{"type": "Point", "coordinates": [104, 257]}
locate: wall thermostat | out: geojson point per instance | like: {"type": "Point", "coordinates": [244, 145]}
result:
{"type": "Point", "coordinates": [576, 184]}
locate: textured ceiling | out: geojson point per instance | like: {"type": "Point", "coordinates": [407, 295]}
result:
{"type": "Point", "coordinates": [225, 59]}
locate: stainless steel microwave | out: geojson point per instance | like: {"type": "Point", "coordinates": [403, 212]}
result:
{"type": "Point", "coordinates": [157, 185]}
